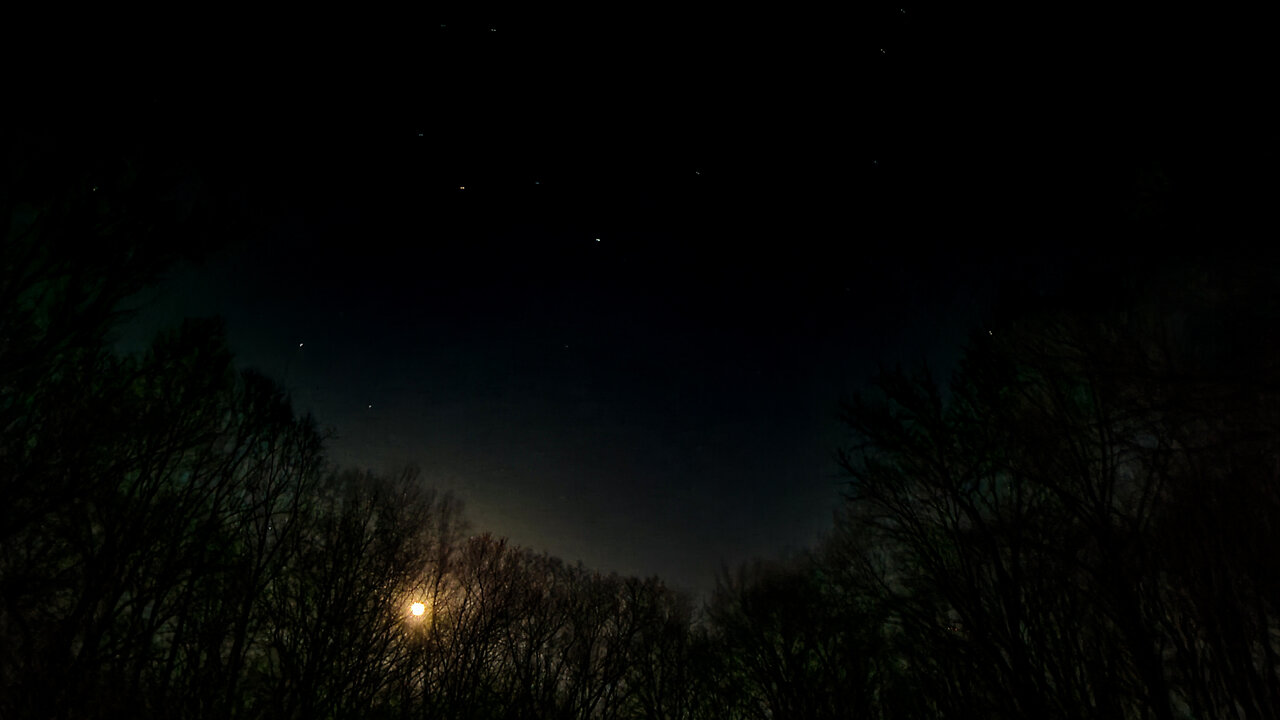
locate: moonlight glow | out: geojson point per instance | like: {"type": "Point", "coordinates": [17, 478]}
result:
{"type": "Point", "coordinates": [417, 609]}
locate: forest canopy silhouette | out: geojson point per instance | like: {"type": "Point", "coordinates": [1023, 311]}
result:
{"type": "Point", "coordinates": [1080, 522]}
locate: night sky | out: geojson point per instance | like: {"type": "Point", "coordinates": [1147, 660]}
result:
{"type": "Point", "coordinates": [608, 277]}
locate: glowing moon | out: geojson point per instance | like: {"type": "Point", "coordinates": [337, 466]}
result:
{"type": "Point", "coordinates": [417, 608]}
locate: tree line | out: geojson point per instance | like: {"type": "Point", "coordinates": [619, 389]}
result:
{"type": "Point", "coordinates": [1081, 522]}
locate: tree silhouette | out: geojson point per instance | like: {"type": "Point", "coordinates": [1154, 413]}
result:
{"type": "Point", "coordinates": [175, 543]}
{"type": "Point", "coordinates": [1023, 524]}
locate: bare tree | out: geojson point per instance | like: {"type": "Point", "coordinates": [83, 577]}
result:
{"type": "Point", "coordinates": [1031, 528]}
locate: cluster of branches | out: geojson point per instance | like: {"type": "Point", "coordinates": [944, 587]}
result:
{"type": "Point", "coordinates": [1084, 523]}
{"type": "Point", "coordinates": [1081, 524]}
{"type": "Point", "coordinates": [173, 542]}
{"type": "Point", "coordinates": [175, 546]}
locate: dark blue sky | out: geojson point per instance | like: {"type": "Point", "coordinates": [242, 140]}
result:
{"type": "Point", "coordinates": [650, 403]}
{"type": "Point", "coordinates": [680, 241]}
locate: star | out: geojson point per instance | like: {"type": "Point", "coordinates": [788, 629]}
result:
{"type": "Point", "coordinates": [299, 344]}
